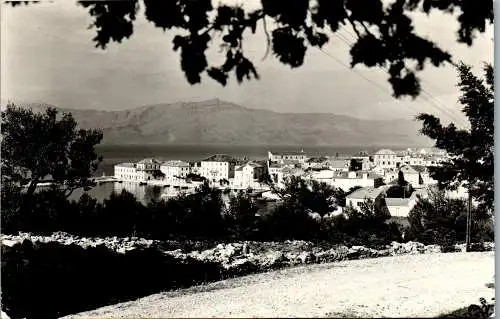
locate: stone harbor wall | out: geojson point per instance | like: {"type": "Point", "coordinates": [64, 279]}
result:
{"type": "Point", "coordinates": [52, 276]}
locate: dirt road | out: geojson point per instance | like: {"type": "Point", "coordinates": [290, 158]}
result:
{"type": "Point", "coordinates": [417, 285]}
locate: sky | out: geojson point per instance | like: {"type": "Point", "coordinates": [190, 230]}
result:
{"type": "Point", "coordinates": [47, 55]}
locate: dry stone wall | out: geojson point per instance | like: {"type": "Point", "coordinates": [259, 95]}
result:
{"type": "Point", "coordinates": [51, 276]}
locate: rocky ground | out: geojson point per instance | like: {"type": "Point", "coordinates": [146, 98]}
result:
{"type": "Point", "coordinates": [241, 257]}
{"type": "Point", "coordinates": [228, 260]}
{"type": "Point", "coordinates": [423, 285]}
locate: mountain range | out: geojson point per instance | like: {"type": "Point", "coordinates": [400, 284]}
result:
{"type": "Point", "coordinates": [216, 122]}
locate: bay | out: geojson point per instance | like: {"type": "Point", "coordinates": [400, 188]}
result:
{"type": "Point", "coordinates": [115, 154]}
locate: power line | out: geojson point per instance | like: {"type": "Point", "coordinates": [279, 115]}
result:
{"type": "Point", "coordinates": [433, 102]}
{"type": "Point", "coordinates": [382, 88]}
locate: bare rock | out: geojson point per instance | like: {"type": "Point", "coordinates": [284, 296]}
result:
{"type": "Point", "coordinates": [9, 242]}
{"type": "Point", "coordinates": [273, 260]}
{"type": "Point", "coordinates": [327, 256]}
{"type": "Point", "coordinates": [433, 249]}
{"type": "Point", "coordinates": [306, 257]}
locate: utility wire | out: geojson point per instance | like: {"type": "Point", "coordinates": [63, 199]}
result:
{"type": "Point", "coordinates": [433, 102]}
{"type": "Point", "coordinates": [382, 88]}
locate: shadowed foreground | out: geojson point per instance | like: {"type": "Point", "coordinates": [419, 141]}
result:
{"type": "Point", "coordinates": [413, 285]}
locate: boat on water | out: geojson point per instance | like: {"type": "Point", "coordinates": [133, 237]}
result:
{"type": "Point", "coordinates": [171, 192]}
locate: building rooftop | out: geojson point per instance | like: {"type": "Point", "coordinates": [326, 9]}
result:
{"type": "Point", "coordinates": [130, 165]}
{"type": "Point", "coordinates": [419, 168]}
{"type": "Point", "coordinates": [176, 164]}
{"type": "Point", "coordinates": [397, 201]}
{"type": "Point", "coordinates": [358, 174]}
{"type": "Point", "coordinates": [275, 165]}
{"type": "Point", "coordinates": [288, 153]}
{"type": "Point", "coordinates": [250, 163]}
{"type": "Point", "coordinates": [149, 161]}
{"type": "Point", "coordinates": [293, 171]}
{"type": "Point", "coordinates": [366, 193]}
{"type": "Point", "coordinates": [407, 169]}
{"type": "Point", "coordinates": [323, 174]}
{"type": "Point", "coordinates": [254, 164]}
{"type": "Point", "coordinates": [338, 163]}
{"type": "Point", "coordinates": [385, 151]}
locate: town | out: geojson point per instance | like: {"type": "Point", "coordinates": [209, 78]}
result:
{"type": "Point", "coordinates": [362, 176]}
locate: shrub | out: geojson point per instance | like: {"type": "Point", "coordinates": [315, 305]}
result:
{"type": "Point", "coordinates": [288, 221]}
{"type": "Point", "coordinates": [240, 217]}
{"type": "Point", "coordinates": [441, 220]}
{"type": "Point", "coordinates": [50, 280]}
{"type": "Point", "coordinates": [123, 215]}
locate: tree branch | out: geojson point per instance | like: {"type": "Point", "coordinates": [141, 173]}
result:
{"type": "Point", "coordinates": [71, 190]}
{"type": "Point", "coordinates": [32, 186]}
{"type": "Point", "coordinates": [210, 28]}
{"type": "Point", "coordinates": [366, 28]}
{"type": "Point", "coordinates": [268, 38]}
{"type": "Point", "coordinates": [354, 27]}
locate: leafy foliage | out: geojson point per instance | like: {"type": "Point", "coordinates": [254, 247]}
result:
{"type": "Point", "coordinates": [441, 220]}
{"type": "Point", "coordinates": [40, 145]}
{"type": "Point", "coordinates": [471, 151]}
{"type": "Point", "coordinates": [398, 192]}
{"type": "Point", "coordinates": [318, 197]}
{"type": "Point", "coordinates": [241, 215]}
{"type": "Point", "coordinates": [367, 225]}
{"type": "Point", "coordinates": [204, 211]}
{"type": "Point", "coordinates": [385, 35]}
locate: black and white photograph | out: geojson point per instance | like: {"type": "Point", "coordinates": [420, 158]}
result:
{"type": "Point", "coordinates": [247, 159]}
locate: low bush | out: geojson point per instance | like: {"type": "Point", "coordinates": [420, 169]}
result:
{"type": "Point", "coordinates": [303, 213]}
{"type": "Point", "coordinates": [442, 221]}
{"type": "Point", "coordinates": [200, 216]}
{"type": "Point", "coordinates": [49, 280]}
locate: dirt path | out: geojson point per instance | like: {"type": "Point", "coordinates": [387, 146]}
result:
{"type": "Point", "coordinates": [418, 285]}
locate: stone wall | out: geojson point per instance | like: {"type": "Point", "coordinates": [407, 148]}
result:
{"type": "Point", "coordinates": [51, 276]}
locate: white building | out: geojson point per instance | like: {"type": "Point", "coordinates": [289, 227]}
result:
{"type": "Point", "coordinates": [417, 176]}
{"type": "Point", "coordinates": [401, 207]}
{"type": "Point", "coordinates": [280, 174]}
{"type": "Point", "coordinates": [347, 180]}
{"type": "Point", "coordinates": [340, 165]}
{"type": "Point", "coordinates": [402, 158]}
{"type": "Point", "coordinates": [385, 158]}
{"type": "Point", "coordinates": [246, 175]}
{"type": "Point", "coordinates": [363, 194]}
{"type": "Point", "coordinates": [128, 172]}
{"type": "Point", "coordinates": [148, 164]}
{"type": "Point", "coordinates": [390, 175]}
{"type": "Point", "coordinates": [432, 161]}
{"type": "Point", "coordinates": [323, 176]}
{"type": "Point", "coordinates": [125, 171]}
{"type": "Point", "coordinates": [175, 169]}
{"type": "Point", "coordinates": [218, 167]}
{"type": "Point", "coordinates": [283, 157]}
{"type": "Point", "coordinates": [411, 175]}
{"type": "Point", "coordinates": [378, 170]}
{"type": "Point", "coordinates": [417, 160]}
{"type": "Point", "coordinates": [275, 172]}
{"type": "Point", "coordinates": [364, 161]}
{"type": "Point", "coordinates": [195, 168]}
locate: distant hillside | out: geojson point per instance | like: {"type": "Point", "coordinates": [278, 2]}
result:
{"type": "Point", "coordinates": [224, 123]}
